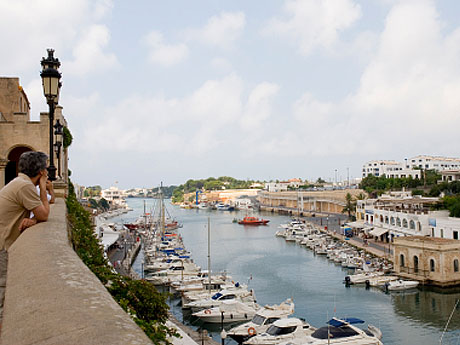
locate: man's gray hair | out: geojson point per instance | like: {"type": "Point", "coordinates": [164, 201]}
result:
{"type": "Point", "coordinates": [32, 162]}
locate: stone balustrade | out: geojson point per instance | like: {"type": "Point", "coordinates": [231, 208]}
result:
{"type": "Point", "coordinates": [53, 298]}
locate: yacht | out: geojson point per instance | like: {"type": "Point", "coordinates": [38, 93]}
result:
{"type": "Point", "coordinates": [263, 318]}
{"type": "Point", "coordinates": [342, 332]}
{"type": "Point", "coordinates": [283, 330]}
{"type": "Point", "coordinates": [217, 299]}
{"type": "Point", "coordinates": [227, 312]}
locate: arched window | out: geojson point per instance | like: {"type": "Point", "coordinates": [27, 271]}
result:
{"type": "Point", "coordinates": [381, 219]}
{"type": "Point", "coordinates": [404, 223]}
{"type": "Point", "coordinates": [367, 218]}
{"type": "Point", "coordinates": [419, 226]}
{"type": "Point", "coordinates": [398, 222]}
{"type": "Point", "coordinates": [386, 219]}
{"type": "Point", "coordinates": [392, 221]}
{"type": "Point", "coordinates": [432, 265]}
{"type": "Point", "coordinates": [415, 264]}
{"type": "Point", "coordinates": [412, 225]}
{"type": "Point", "coordinates": [401, 260]}
{"type": "Point", "coordinates": [456, 265]}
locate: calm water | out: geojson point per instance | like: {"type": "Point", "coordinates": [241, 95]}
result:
{"type": "Point", "coordinates": [280, 270]}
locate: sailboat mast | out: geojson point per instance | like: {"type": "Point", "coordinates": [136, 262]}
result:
{"type": "Point", "coordinates": [162, 212]}
{"type": "Point", "coordinates": [209, 252]}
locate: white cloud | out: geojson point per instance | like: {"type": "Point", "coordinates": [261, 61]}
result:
{"type": "Point", "coordinates": [312, 24]}
{"type": "Point", "coordinates": [407, 100]}
{"type": "Point", "coordinates": [258, 107]}
{"type": "Point", "coordinates": [89, 55]}
{"type": "Point", "coordinates": [163, 53]}
{"type": "Point", "coordinates": [222, 30]}
{"type": "Point", "coordinates": [33, 26]}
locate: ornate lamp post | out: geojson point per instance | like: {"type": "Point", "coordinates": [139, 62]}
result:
{"type": "Point", "coordinates": [51, 86]}
{"type": "Point", "coordinates": [58, 144]}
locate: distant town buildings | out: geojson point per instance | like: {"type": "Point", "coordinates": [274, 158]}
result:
{"type": "Point", "coordinates": [411, 167]}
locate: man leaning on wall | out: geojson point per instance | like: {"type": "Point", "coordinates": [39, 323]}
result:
{"type": "Point", "coordinates": [17, 199]}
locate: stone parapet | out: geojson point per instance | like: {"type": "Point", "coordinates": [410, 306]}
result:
{"type": "Point", "coordinates": [53, 298]}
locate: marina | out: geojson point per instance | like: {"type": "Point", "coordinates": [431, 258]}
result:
{"type": "Point", "coordinates": [276, 270]}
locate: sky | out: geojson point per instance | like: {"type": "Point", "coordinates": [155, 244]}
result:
{"type": "Point", "coordinates": [275, 89]}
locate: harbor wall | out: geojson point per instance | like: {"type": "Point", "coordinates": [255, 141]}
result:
{"type": "Point", "coordinates": [306, 202]}
{"type": "Point", "coordinates": [53, 298]}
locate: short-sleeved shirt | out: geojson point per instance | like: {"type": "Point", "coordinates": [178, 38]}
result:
{"type": "Point", "coordinates": [17, 199]}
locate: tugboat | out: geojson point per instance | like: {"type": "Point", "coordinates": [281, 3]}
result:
{"type": "Point", "coordinates": [253, 221]}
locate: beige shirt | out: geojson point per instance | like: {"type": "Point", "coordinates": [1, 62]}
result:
{"type": "Point", "coordinates": [17, 199]}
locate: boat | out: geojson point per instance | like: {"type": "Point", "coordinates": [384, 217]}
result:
{"type": "Point", "coordinates": [238, 293]}
{"type": "Point", "coordinates": [283, 330]}
{"type": "Point", "coordinates": [400, 285]}
{"type": "Point", "coordinates": [248, 220]}
{"type": "Point", "coordinates": [342, 332]}
{"type": "Point", "coordinates": [228, 312]}
{"type": "Point", "coordinates": [225, 207]}
{"type": "Point", "coordinates": [263, 318]}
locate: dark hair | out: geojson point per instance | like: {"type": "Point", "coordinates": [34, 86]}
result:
{"type": "Point", "coordinates": [32, 162]}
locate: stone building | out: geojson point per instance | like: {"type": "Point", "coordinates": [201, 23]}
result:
{"type": "Point", "coordinates": [433, 261]}
{"type": "Point", "coordinates": [19, 134]}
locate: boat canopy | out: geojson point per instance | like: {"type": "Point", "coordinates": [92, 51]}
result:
{"type": "Point", "coordinates": [333, 332]}
{"type": "Point", "coordinates": [338, 323]}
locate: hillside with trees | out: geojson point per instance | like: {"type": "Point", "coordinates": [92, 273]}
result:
{"type": "Point", "coordinates": [211, 183]}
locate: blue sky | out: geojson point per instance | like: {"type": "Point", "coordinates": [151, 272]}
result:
{"type": "Point", "coordinates": [171, 90]}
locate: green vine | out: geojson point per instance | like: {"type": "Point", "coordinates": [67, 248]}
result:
{"type": "Point", "coordinates": [67, 140]}
{"type": "Point", "coordinates": [140, 299]}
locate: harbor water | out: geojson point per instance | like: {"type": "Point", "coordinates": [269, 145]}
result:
{"type": "Point", "coordinates": [277, 270]}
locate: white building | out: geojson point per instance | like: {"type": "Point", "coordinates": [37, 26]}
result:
{"type": "Point", "coordinates": [437, 163]}
{"type": "Point", "coordinates": [114, 196]}
{"type": "Point", "coordinates": [389, 169]}
{"type": "Point", "coordinates": [277, 186]}
{"type": "Point", "coordinates": [450, 175]}
{"type": "Point", "coordinates": [400, 214]}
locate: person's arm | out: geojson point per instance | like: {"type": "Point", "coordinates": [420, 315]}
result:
{"type": "Point", "coordinates": [41, 212]}
{"type": "Point", "coordinates": [50, 189]}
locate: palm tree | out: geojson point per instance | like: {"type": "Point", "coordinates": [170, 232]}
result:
{"type": "Point", "coordinates": [350, 205]}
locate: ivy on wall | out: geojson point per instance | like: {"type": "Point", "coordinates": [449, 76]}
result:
{"type": "Point", "coordinates": [140, 299]}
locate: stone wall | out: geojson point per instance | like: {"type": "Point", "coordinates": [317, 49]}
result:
{"type": "Point", "coordinates": [53, 298]}
{"type": "Point", "coordinates": [443, 252]}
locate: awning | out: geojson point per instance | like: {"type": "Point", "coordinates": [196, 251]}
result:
{"type": "Point", "coordinates": [356, 225]}
{"type": "Point", "coordinates": [378, 231]}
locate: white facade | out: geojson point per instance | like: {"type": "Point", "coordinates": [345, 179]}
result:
{"type": "Point", "coordinates": [381, 167]}
{"type": "Point", "coordinates": [433, 163]}
{"type": "Point", "coordinates": [406, 216]}
{"type": "Point", "coordinates": [277, 187]}
{"type": "Point", "coordinates": [450, 175]}
{"type": "Point", "coordinates": [114, 196]}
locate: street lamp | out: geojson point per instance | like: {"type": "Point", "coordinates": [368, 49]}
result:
{"type": "Point", "coordinates": [51, 86]}
{"type": "Point", "coordinates": [58, 144]}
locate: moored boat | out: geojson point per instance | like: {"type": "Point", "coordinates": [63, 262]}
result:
{"type": "Point", "coordinates": [248, 220]}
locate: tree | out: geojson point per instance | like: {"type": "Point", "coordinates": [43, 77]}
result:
{"type": "Point", "coordinates": [350, 205]}
{"type": "Point", "coordinates": [320, 181]}
{"type": "Point", "coordinates": [104, 204]}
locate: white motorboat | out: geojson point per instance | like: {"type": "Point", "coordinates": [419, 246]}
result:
{"type": "Point", "coordinates": [400, 285]}
{"type": "Point", "coordinates": [228, 312]}
{"type": "Point", "coordinates": [263, 318]}
{"type": "Point", "coordinates": [360, 278]}
{"type": "Point", "coordinates": [283, 330]}
{"type": "Point", "coordinates": [216, 300]}
{"type": "Point", "coordinates": [341, 332]}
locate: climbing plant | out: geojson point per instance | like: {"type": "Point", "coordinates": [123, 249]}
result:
{"type": "Point", "coordinates": [140, 299]}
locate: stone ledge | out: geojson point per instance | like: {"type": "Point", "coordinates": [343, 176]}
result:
{"type": "Point", "coordinates": [53, 298]}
